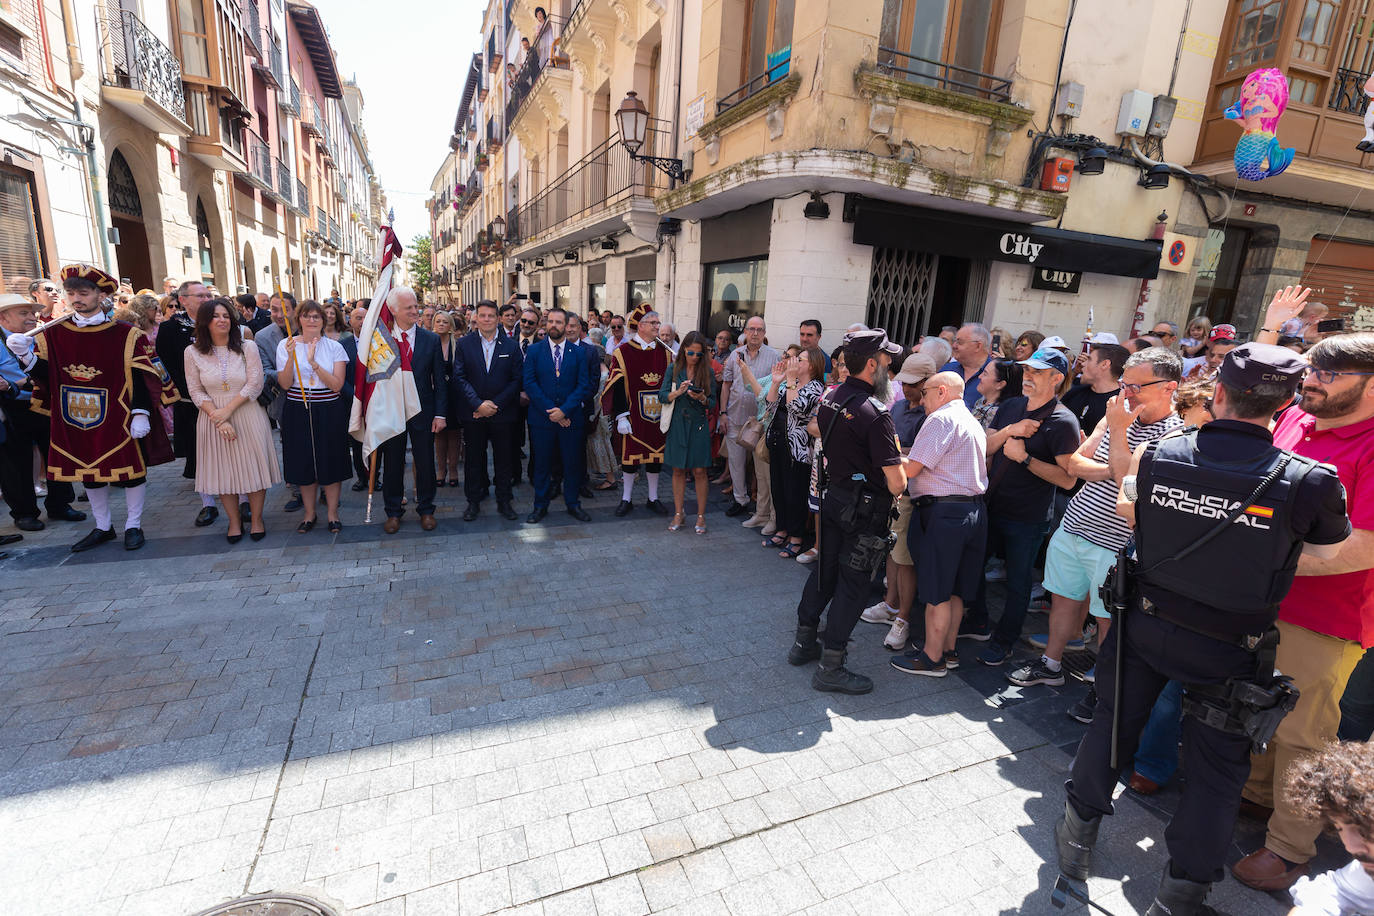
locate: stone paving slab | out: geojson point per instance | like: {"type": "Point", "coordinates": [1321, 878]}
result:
{"type": "Point", "coordinates": [500, 718]}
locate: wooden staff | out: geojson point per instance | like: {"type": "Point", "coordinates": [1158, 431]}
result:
{"type": "Point", "coordinates": [296, 370]}
{"type": "Point", "coordinates": [35, 331]}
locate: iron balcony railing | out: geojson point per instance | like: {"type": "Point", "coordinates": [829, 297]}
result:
{"type": "Point", "coordinates": [943, 75]}
{"type": "Point", "coordinates": [260, 161]}
{"type": "Point", "coordinates": [285, 187]}
{"type": "Point", "coordinates": [778, 65]}
{"type": "Point", "coordinates": [1347, 92]}
{"type": "Point", "coordinates": [334, 236]}
{"type": "Point", "coordinates": [310, 116]}
{"type": "Point", "coordinates": [543, 55]}
{"type": "Point", "coordinates": [599, 180]}
{"type": "Point", "coordinates": [302, 198]}
{"type": "Point", "coordinates": [291, 103]}
{"type": "Point", "coordinates": [274, 59]}
{"type": "Point", "coordinates": [321, 221]}
{"type": "Point", "coordinates": [471, 191]}
{"type": "Point", "coordinates": [252, 26]}
{"type": "Point", "coordinates": [513, 226]}
{"type": "Point", "coordinates": [132, 57]}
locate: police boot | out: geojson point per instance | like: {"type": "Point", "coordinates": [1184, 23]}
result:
{"type": "Point", "coordinates": [1073, 840]}
{"type": "Point", "coordinates": [806, 647]}
{"type": "Point", "coordinates": [1180, 897]}
{"type": "Point", "coordinates": [831, 675]}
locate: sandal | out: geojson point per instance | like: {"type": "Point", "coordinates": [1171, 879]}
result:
{"type": "Point", "coordinates": [305, 526]}
{"type": "Point", "coordinates": [701, 524]}
{"type": "Point", "coordinates": [790, 551]}
{"type": "Point", "coordinates": [677, 522]}
{"type": "Point", "coordinates": [776, 540]}
{"type": "Point", "coordinates": [335, 527]}
{"type": "Point", "coordinates": [605, 485]}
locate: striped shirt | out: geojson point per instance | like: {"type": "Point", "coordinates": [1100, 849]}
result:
{"type": "Point", "coordinates": [1091, 513]}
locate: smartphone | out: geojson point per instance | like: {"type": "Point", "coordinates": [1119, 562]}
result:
{"type": "Point", "coordinates": [1329, 325]}
{"type": "Point", "coordinates": [694, 388]}
{"type": "Point", "coordinates": [996, 342]}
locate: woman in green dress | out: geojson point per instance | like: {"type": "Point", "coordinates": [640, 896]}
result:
{"type": "Point", "coordinates": [690, 388]}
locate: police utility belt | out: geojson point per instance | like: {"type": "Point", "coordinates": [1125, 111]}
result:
{"type": "Point", "coordinates": [1252, 706]}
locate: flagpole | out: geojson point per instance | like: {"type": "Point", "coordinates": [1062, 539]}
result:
{"type": "Point", "coordinates": [372, 464]}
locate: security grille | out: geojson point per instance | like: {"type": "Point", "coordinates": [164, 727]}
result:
{"type": "Point", "coordinates": [124, 199]}
{"type": "Point", "coordinates": [900, 292]}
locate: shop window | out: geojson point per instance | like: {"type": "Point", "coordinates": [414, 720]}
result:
{"type": "Point", "coordinates": [596, 297]}
{"type": "Point", "coordinates": [732, 293]}
{"type": "Point", "coordinates": [637, 291]}
{"type": "Point", "coordinates": [21, 257]}
{"type": "Point", "coordinates": [562, 297]}
{"type": "Point", "coordinates": [940, 42]}
{"type": "Point", "coordinates": [1218, 274]}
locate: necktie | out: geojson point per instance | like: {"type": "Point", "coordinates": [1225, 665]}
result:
{"type": "Point", "coordinates": [558, 359]}
{"type": "Point", "coordinates": [405, 346]}
{"type": "Point", "coordinates": [524, 347]}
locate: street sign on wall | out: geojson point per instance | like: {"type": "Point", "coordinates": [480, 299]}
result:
{"type": "Point", "coordinates": [1060, 281]}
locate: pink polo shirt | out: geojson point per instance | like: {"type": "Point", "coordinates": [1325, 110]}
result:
{"type": "Point", "coordinates": [1341, 605]}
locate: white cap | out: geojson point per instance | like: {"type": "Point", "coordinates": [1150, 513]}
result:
{"type": "Point", "coordinates": [1056, 342]}
{"type": "Point", "coordinates": [1103, 337]}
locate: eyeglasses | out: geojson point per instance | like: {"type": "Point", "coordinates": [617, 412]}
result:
{"type": "Point", "coordinates": [1135, 389]}
{"type": "Point", "coordinates": [929, 388]}
{"type": "Point", "coordinates": [1327, 376]}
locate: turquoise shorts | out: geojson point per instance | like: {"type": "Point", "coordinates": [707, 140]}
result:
{"type": "Point", "coordinates": [1075, 567]}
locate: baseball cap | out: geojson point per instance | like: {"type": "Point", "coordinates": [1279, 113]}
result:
{"type": "Point", "coordinates": [1055, 342]}
{"type": "Point", "coordinates": [1254, 364]}
{"type": "Point", "coordinates": [1103, 337]}
{"type": "Point", "coordinates": [917, 368]}
{"type": "Point", "coordinates": [1222, 332]}
{"type": "Point", "coordinates": [866, 343]}
{"type": "Point", "coordinates": [1048, 359]}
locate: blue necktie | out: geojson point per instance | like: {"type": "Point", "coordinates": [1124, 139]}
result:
{"type": "Point", "coordinates": [558, 359]}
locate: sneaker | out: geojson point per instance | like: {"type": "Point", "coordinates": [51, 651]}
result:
{"type": "Point", "coordinates": [995, 654]}
{"type": "Point", "coordinates": [977, 634]}
{"type": "Point", "coordinates": [1042, 641]}
{"type": "Point", "coordinates": [1038, 592]}
{"type": "Point", "coordinates": [916, 662]}
{"type": "Point", "coordinates": [996, 572]}
{"type": "Point", "coordinates": [897, 636]}
{"type": "Point", "coordinates": [882, 612]}
{"type": "Point", "coordinates": [1082, 711]}
{"type": "Point", "coordinates": [1091, 675]}
{"type": "Point", "coordinates": [951, 659]}
{"type": "Point", "coordinates": [754, 521]}
{"type": "Point", "coordinates": [1037, 672]}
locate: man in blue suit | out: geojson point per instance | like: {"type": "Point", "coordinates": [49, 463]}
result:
{"type": "Point", "coordinates": [558, 386]}
{"type": "Point", "coordinates": [486, 382]}
{"type": "Point", "coordinates": [431, 383]}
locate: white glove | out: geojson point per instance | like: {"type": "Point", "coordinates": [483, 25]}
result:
{"type": "Point", "coordinates": [139, 426]}
{"type": "Point", "coordinates": [622, 424]}
{"type": "Point", "coordinates": [20, 346]}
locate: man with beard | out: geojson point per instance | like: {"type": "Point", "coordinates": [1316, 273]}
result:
{"type": "Point", "coordinates": [1328, 614]}
{"type": "Point", "coordinates": [863, 476]}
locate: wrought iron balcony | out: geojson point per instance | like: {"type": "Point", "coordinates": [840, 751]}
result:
{"type": "Point", "coordinates": [302, 198]}
{"type": "Point", "coordinates": [321, 221]}
{"type": "Point", "coordinates": [334, 236]}
{"type": "Point", "coordinates": [291, 102]}
{"type": "Point", "coordinates": [252, 27]}
{"type": "Point", "coordinates": [259, 163]}
{"type": "Point", "coordinates": [312, 120]}
{"type": "Point", "coordinates": [285, 186]}
{"type": "Point", "coordinates": [1347, 92]}
{"type": "Point", "coordinates": [943, 75]}
{"type": "Point", "coordinates": [544, 54]}
{"type": "Point", "coordinates": [133, 59]}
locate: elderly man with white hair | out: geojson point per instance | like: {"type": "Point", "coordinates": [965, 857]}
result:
{"type": "Point", "coordinates": [972, 350]}
{"type": "Point", "coordinates": [421, 350]}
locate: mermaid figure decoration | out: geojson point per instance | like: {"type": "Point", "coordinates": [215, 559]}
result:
{"type": "Point", "coordinates": [1263, 97]}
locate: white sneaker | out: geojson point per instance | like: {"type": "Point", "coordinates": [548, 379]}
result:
{"type": "Point", "coordinates": [768, 529]}
{"type": "Point", "coordinates": [996, 572]}
{"type": "Point", "coordinates": [1038, 592]}
{"type": "Point", "coordinates": [882, 612]}
{"type": "Point", "coordinates": [896, 637]}
{"type": "Point", "coordinates": [754, 521]}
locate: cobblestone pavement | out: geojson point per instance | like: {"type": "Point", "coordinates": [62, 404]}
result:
{"type": "Point", "coordinates": [558, 719]}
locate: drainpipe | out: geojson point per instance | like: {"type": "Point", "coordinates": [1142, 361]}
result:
{"type": "Point", "coordinates": [88, 135]}
{"type": "Point", "coordinates": [677, 130]}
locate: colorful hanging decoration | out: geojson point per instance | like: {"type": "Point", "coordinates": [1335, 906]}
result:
{"type": "Point", "coordinates": [1263, 97]}
{"type": "Point", "coordinates": [1367, 144]}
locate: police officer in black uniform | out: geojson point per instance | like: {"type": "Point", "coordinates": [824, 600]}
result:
{"type": "Point", "coordinates": [864, 475]}
{"type": "Point", "coordinates": [1213, 561]}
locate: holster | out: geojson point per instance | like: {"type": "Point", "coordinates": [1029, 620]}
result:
{"type": "Point", "coordinates": [1243, 707]}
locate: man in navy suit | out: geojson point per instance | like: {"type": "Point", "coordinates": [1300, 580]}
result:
{"type": "Point", "coordinates": [558, 386]}
{"type": "Point", "coordinates": [431, 383]}
{"type": "Point", "coordinates": [486, 382]}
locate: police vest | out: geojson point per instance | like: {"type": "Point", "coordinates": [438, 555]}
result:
{"type": "Point", "coordinates": [1182, 495]}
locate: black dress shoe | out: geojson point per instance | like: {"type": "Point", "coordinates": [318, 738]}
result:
{"type": "Point", "coordinates": [505, 511]}
{"type": "Point", "coordinates": [234, 538]}
{"type": "Point", "coordinates": [580, 514]}
{"type": "Point", "coordinates": [537, 515]}
{"type": "Point", "coordinates": [67, 514]}
{"type": "Point", "coordinates": [206, 516]}
{"type": "Point", "coordinates": [359, 486]}
{"type": "Point", "coordinates": [294, 504]}
{"type": "Point", "coordinates": [257, 535]}
{"type": "Point", "coordinates": [94, 539]}
{"type": "Point", "coordinates": [133, 538]}
{"type": "Point", "coordinates": [623, 509]}
{"type": "Point", "coordinates": [10, 539]}
{"type": "Point", "coordinates": [585, 492]}
{"type": "Point", "coordinates": [245, 511]}
{"type": "Point", "coordinates": [735, 509]}
{"type": "Point", "coordinates": [29, 524]}
{"type": "Point", "coordinates": [470, 513]}
{"type": "Point", "coordinates": [656, 507]}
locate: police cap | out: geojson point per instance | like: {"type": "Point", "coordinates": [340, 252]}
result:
{"type": "Point", "coordinates": [870, 343]}
{"type": "Point", "coordinates": [1255, 364]}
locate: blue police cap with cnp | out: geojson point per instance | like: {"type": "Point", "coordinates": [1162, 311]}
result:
{"type": "Point", "coordinates": [1255, 364]}
{"type": "Point", "coordinates": [870, 343]}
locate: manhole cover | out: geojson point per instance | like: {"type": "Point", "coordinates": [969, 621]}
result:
{"type": "Point", "coordinates": [276, 904]}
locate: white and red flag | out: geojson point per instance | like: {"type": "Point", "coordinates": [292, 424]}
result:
{"type": "Point", "coordinates": [384, 395]}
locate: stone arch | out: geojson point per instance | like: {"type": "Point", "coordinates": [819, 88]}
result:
{"type": "Point", "coordinates": [250, 269]}
{"type": "Point", "coordinates": [127, 215]}
{"type": "Point", "coordinates": [207, 225]}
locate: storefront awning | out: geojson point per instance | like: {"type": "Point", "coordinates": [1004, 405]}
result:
{"type": "Point", "coordinates": [880, 223]}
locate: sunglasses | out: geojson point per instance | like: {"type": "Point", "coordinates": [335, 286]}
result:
{"type": "Point", "coordinates": [617, 327]}
{"type": "Point", "coordinates": [526, 321]}
{"type": "Point", "coordinates": [693, 353]}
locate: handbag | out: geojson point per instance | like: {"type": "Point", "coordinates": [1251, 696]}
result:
{"type": "Point", "coordinates": [665, 413]}
{"type": "Point", "coordinates": [750, 434]}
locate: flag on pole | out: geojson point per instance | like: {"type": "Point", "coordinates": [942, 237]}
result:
{"type": "Point", "coordinates": [384, 392]}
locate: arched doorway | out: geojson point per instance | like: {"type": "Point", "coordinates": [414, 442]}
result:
{"type": "Point", "coordinates": [250, 269]}
{"type": "Point", "coordinates": [314, 285]}
{"type": "Point", "coordinates": [126, 215]}
{"type": "Point", "coordinates": [205, 244]}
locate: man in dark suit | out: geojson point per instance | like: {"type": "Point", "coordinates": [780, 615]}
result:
{"type": "Point", "coordinates": [431, 383]}
{"type": "Point", "coordinates": [486, 381]}
{"type": "Point", "coordinates": [556, 380]}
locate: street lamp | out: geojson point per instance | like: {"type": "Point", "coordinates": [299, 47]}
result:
{"type": "Point", "coordinates": [498, 228]}
{"type": "Point", "coordinates": [633, 120]}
